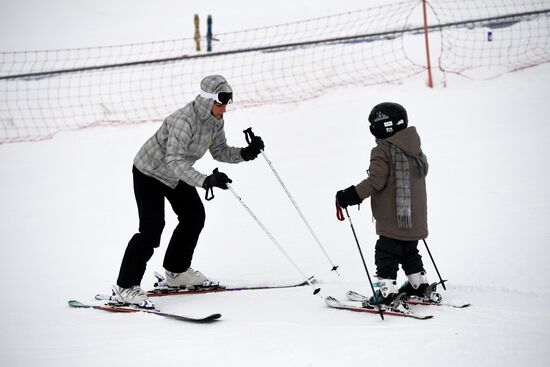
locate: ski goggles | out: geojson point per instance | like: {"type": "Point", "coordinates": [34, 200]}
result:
{"type": "Point", "coordinates": [220, 97]}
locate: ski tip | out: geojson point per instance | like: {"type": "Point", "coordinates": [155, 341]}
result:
{"type": "Point", "coordinates": [75, 303]}
{"type": "Point", "coordinates": [209, 318]}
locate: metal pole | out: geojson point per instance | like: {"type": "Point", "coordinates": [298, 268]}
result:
{"type": "Point", "coordinates": [435, 266]}
{"type": "Point", "coordinates": [272, 238]}
{"type": "Point", "coordinates": [334, 267]}
{"type": "Point", "coordinates": [248, 135]}
{"type": "Point", "coordinates": [430, 81]}
{"type": "Point", "coordinates": [363, 259]}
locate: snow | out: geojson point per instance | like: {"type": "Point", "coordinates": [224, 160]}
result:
{"type": "Point", "coordinates": [68, 211]}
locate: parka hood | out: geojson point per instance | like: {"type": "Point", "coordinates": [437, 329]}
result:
{"type": "Point", "coordinates": [210, 84]}
{"type": "Point", "coordinates": [407, 140]}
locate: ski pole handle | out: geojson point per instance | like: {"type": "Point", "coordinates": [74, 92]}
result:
{"type": "Point", "coordinates": [249, 135]}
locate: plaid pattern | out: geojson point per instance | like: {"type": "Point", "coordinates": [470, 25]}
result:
{"type": "Point", "coordinates": [402, 187]}
{"type": "Point", "coordinates": [184, 137]}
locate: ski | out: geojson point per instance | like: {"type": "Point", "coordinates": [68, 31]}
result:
{"type": "Point", "coordinates": [113, 307]}
{"type": "Point", "coordinates": [356, 297]}
{"type": "Point", "coordinates": [334, 303]}
{"type": "Point", "coordinates": [161, 289]}
{"type": "Point", "coordinates": [415, 301]}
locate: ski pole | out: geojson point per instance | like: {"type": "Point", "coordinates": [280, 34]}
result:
{"type": "Point", "coordinates": [441, 281]}
{"type": "Point", "coordinates": [361, 253]}
{"type": "Point", "coordinates": [308, 280]}
{"type": "Point", "coordinates": [248, 135]}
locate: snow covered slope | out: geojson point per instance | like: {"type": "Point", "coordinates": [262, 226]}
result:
{"type": "Point", "coordinates": [67, 211]}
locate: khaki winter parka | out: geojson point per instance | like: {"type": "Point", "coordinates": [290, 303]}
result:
{"type": "Point", "coordinates": [380, 187]}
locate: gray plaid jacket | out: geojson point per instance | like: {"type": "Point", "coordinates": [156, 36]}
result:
{"type": "Point", "coordinates": [184, 137]}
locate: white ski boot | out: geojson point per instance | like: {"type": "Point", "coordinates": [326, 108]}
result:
{"type": "Point", "coordinates": [387, 297]}
{"type": "Point", "coordinates": [385, 294]}
{"type": "Point", "coordinates": [134, 296]}
{"type": "Point", "coordinates": [189, 279]}
{"type": "Point", "coordinates": [417, 286]}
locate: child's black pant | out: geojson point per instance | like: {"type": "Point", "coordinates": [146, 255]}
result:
{"type": "Point", "coordinates": [389, 253]}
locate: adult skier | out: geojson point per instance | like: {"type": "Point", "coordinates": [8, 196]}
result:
{"type": "Point", "coordinates": [397, 188]}
{"type": "Point", "coordinates": [163, 168]}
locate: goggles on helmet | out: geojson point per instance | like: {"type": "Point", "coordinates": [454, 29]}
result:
{"type": "Point", "coordinates": [220, 97]}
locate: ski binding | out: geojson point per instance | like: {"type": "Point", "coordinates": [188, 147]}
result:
{"type": "Point", "coordinates": [356, 297]}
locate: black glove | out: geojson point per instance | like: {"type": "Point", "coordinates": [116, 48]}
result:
{"type": "Point", "coordinates": [347, 197]}
{"type": "Point", "coordinates": [216, 179]}
{"type": "Point", "coordinates": [253, 149]}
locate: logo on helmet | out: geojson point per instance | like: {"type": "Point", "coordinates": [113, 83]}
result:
{"type": "Point", "coordinates": [380, 116]}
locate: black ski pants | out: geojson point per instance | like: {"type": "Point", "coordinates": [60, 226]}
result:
{"type": "Point", "coordinates": [389, 253]}
{"type": "Point", "coordinates": [187, 205]}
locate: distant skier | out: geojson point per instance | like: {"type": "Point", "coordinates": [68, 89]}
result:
{"type": "Point", "coordinates": [397, 188]}
{"type": "Point", "coordinates": [163, 168]}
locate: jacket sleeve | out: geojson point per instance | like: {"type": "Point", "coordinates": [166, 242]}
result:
{"type": "Point", "coordinates": [221, 151]}
{"type": "Point", "coordinates": [177, 159]}
{"type": "Point", "coordinates": [379, 171]}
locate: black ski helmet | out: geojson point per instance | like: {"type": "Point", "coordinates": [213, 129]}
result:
{"type": "Point", "coordinates": [386, 119]}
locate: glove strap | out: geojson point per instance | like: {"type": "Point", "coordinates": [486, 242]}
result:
{"type": "Point", "coordinates": [211, 191]}
{"type": "Point", "coordinates": [339, 213]}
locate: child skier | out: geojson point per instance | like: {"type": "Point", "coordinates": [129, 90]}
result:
{"type": "Point", "coordinates": [397, 188]}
